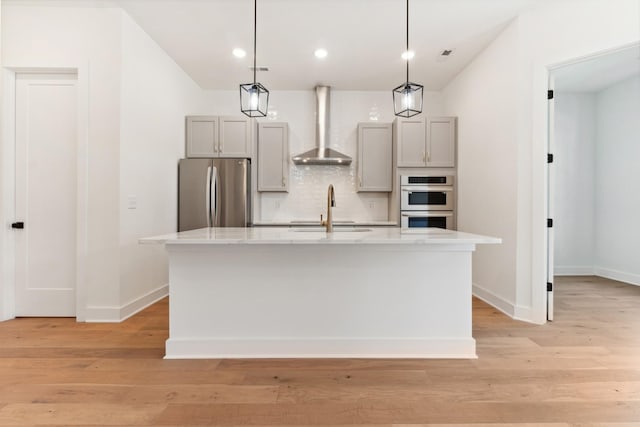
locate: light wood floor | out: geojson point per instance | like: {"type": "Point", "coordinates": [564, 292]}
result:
{"type": "Point", "coordinates": [581, 370]}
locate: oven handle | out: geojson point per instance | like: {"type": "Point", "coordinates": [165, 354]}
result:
{"type": "Point", "coordinates": [442, 189]}
{"type": "Point", "coordinates": [428, 214]}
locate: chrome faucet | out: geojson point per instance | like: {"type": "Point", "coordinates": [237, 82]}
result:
{"type": "Point", "coordinates": [331, 202]}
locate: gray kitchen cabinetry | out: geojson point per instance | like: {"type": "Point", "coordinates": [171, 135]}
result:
{"type": "Point", "coordinates": [375, 157]}
{"type": "Point", "coordinates": [429, 142]}
{"type": "Point", "coordinates": [441, 142]}
{"type": "Point", "coordinates": [273, 156]}
{"type": "Point", "coordinates": [218, 136]}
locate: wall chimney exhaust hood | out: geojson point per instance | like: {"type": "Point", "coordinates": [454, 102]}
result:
{"type": "Point", "coordinates": [322, 154]}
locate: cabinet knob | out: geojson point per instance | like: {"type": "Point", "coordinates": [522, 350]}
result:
{"type": "Point", "coordinates": [424, 156]}
{"type": "Point", "coordinates": [284, 181]}
{"type": "Point", "coordinates": [428, 155]}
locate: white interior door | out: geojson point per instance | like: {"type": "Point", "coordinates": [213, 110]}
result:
{"type": "Point", "coordinates": [46, 194]}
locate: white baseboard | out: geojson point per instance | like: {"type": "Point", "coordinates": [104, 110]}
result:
{"type": "Point", "coordinates": [229, 348]}
{"type": "Point", "coordinates": [621, 276]}
{"type": "Point", "coordinates": [517, 312]}
{"type": "Point", "coordinates": [494, 300]}
{"type": "Point", "coordinates": [118, 314]}
{"type": "Point", "coordinates": [523, 313]}
{"type": "Point", "coordinates": [573, 270]}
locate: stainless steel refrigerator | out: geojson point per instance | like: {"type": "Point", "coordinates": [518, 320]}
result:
{"type": "Point", "coordinates": [214, 193]}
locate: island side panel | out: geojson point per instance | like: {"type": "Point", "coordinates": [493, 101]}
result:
{"type": "Point", "coordinates": [313, 300]}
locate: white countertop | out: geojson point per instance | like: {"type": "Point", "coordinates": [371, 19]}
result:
{"type": "Point", "coordinates": [309, 235]}
{"type": "Point", "coordinates": [338, 223]}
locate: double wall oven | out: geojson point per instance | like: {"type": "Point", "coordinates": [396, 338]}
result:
{"type": "Point", "coordinates": [427, 201]}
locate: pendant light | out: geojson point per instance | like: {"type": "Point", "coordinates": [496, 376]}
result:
{"type": "Point", "coordinates": [254, 97]}
{"type": "Point", "coordinates": [407, 98]}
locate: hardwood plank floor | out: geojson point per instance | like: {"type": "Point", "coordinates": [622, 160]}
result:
{"type": "Point", "coordinates": [582, 370]}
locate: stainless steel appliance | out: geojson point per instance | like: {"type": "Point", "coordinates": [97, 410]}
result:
{"type": "Point", "coordinates": [426, 193]}
{"type": "Point", "coordinates": [427, 201]}
{"type": "Point", "coordinates": [425, 219]}
{"type": "Point", "coordinates": [214, 193]}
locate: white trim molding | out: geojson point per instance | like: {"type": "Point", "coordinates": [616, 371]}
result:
{"type": "Point", "coordinates": [112, 314]}
{"type": "Point", "coordinates": [422, 348]}
{"type": "Point", "coordinates": [494, 300]}
{"type": "Point", "coordinates": [620, 276]}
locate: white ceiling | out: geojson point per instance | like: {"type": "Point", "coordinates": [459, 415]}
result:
{"type": "Point", "coordinates": [597, 73]}
{"type": "Point", "coordinates": [364, 39]}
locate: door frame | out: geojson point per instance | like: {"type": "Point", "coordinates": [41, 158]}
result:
{"type": "Point", "coordinates": [542, 75]}
{"type": "Point", "coordinates": [7, 180]}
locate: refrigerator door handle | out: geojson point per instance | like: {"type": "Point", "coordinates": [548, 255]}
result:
{"type": "Point", "coordinates": [214, 197]}
{"type": "Point", "coordinates": [207, 197]}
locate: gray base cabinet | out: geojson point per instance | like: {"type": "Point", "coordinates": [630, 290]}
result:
{"type": "Point", "coordinates": [375, 157]}
{"type": "Point", "coordinates": [426, 142]}
{"type": "Point", "coordinates": [273, 157]}
{"type": "Point", "coordinates": [218, 136]}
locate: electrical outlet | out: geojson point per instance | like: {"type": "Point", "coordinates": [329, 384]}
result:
{"type": "Point", "coordinates": [132, 202]}
{"type": "Point", "coordinates": [277, 204]}
{"type": "Point", "coordinates": [372, 204]}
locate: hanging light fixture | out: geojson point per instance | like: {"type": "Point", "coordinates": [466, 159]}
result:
{"type": "Point", "coordinates": [407, 98]}
{"type": "Point", "coordinates": [254, 97]}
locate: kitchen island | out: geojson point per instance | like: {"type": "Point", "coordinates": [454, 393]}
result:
{"type": "Point", "coordinates": [287, 292]}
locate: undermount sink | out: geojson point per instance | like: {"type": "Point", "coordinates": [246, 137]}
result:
{"type": "Point", "coordinates": [324, 230]}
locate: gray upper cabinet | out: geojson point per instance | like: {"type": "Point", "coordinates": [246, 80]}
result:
{"type": "Point", "coordinates": [213, 136]}
{"type": "Point", "coordinates": [202, 136]}
{"type": "Point", "coordinates": [441, 137]}
{"type": "Point", "coordinates": [273, 156]}
{"type": "Point", "coordinates": [375, 157]}
{"type": "Point", "coordinates": [235, 139]}
{"type": "Point", "coordinates": [429, 142]}
{"type": "Point", "coordinates": [411, 142]}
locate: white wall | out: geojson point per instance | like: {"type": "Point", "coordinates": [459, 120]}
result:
{"type": "Point", "coordinates": [574, 182]}
{"type": "Point", "coordinates": [156, 95]}
{"type": "Point", "coordinates": [549, 33]}
{"type": "Point", "coordinates": [306, 199]}
{"type": "Point", "coordinates": [617, 187]}
{"type": "Point", "coordinates": [483, 97]}
{"type": "Point", "coordinates": [137, 98]}
{"type": "Point", "coordinates": [38, 36]}
{"type": "Point", "coordinates": [6, 293]}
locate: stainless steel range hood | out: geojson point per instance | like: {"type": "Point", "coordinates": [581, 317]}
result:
{"type": "Point", "coordinates": [322, 154]}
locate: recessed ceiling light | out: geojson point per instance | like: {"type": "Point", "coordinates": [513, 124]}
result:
{"type": "Point", "coordinates": [321, 53]}
{"type": "Point", "coordinates": [239, 53]}
{"type": "Point", "coordinates": [408, 54]}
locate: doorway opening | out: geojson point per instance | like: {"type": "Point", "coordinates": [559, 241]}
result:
{"type": "Point", "coordinates": [594, 180]}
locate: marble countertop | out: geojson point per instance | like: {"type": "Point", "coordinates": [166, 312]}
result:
{"type": "Point", "coordinates": [304, 223]}
{"type": "Point", "coordinates": [310, 235]}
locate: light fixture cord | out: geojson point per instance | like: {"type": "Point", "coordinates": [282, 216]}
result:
{"type": "Point", "coordinates": [407, 51]}
{"type": "Point", "coordinates": [255, 30]}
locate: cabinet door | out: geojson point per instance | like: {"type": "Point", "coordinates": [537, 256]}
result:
{"type": "Point", "coordinates": [375, 157]}
{"type": "Point", "coordinates": [441, 142]}
{"type": "Point", "coordinates": [202, 136]}
{"type": "Point", "coordinates": [273, 157]}
{"type": "Point", "coordinates": [235, 140]}
{"type": "Point", "coordinates": [411, 143]}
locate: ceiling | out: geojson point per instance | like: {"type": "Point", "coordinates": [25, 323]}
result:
{"type": "Point", "coordinates": [364, 38]}
{"type": "Point", "coordinates": [597, 73]}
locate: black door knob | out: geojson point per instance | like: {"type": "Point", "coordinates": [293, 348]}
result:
{"type": "Point", "coordinates": [19, 225]}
